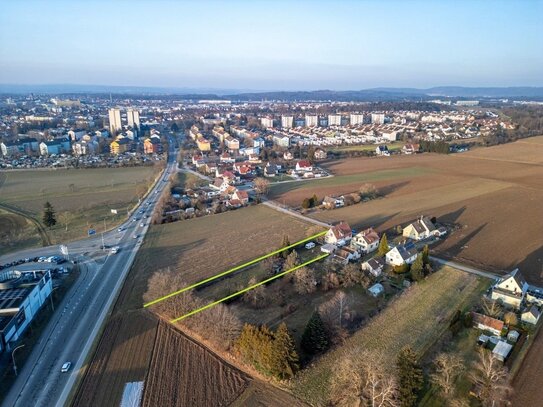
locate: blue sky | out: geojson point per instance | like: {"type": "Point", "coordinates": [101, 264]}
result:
{"type": "Point", "coordinates": [268, 45]}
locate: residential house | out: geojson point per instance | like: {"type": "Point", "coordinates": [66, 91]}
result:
{"type": "Point", "coordinates": [203, 144]}
{"type": "Point", "coordinates": [50, 147]}
{"type": "Point", "coordinates": [330, 202]}
{"type": "Point", "coordinates": [510, 289]}
{"type": "Point", "coordinates": [281, 140]}
{"type": "Point", "coordinates": [382, 150]}
{"type": "Point", "coordinates": [410, 148]}
{"type": "Point", "coordinates": [374, 265]}
{"type": "Point", "coordinates": [531, 315]}
{"type": "Point", "coordinates": [270, 170]}
{"type": "Point", "coordinates": [241, 196]}
{"type": "Point", "coordinates": [339, 235]}
{"type": "Point", "coordinates": [231, 143]}
{"type": "Point", "coordinates": [420, 229]}
{"type": "Point", "coordinates": [198, 160]}
{"type": "Point", "coordinates": [119, 146]}
{"type": "Point", "coordinates": [345, 255]}
{"type": "Point", "coordinates": [367, 241]}
{"type": "Point", "coordinates": [320, 154]}
{"type": "Point", "coordinates": [152, 145]}
{"type": "Point", "coordinates": [226, 158]}
{"type": "Point", "coordinates": [304, 166]}
{"type": "Point", "coordinates": [486, 323]}
{"type": "Point", "coordinates": [287, 155]}
{"type": "Point", "coordinates": [401, 254]}
{"type": "Point", "coordinates": [10, 148]}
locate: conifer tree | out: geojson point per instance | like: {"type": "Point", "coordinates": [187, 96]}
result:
{"type": "Point", "coordinates": [426, 255]}
{"type": "Point", "coordinates": [383, 245]}
{"type": "Point", "coordinates": [410, 377]}
{"type": "Point", "coordinates": [49, 218]}
{"type": "Point", "coordinates": [417, 268]}
{"type": "Point", "coordinates": [285, 243]}
{"type": "Point", "coordinates": [315, 338]}
{"type": "Point", "coordinates": [284, 357]}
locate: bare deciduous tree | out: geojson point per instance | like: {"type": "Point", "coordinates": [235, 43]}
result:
{"type": "Point", "coordinates": [362, 377]}
{"type": "Point", "coordinates": [447, 369]}
{"type": "Point", "coordinates": [256, 297]}
{"type": "Point", "coordinates": [305, 281]}
{"type": "Point", "coordinates": [66, 218]}
{"type": "Point", "coordinates": [262, 186]}
{"type": "Point", "coordinates": [333, 313]}
{"type": "Point", "coordinates": [491, 308]}
{"type": "Point", "coordinates": [491, 380]}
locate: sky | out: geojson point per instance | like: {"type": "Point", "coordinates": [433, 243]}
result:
{"type": "Point", "coordinates": [272, 45]}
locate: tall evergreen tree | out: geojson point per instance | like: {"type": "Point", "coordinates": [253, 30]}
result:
{"type": "Point", "coordinates": [285, 243]}
{"type": "Point", "coordinates": [284, 357]}
{"type": "Point", "coordinates": [49, 218]}
{"type": "Point", "coordinates": [315, 338]}
{"type": "Point", "coordinates": [383, 245]}
{"type": "Point", "coordinates": [410, 377]}
{"type": "Point", "coordinates": [417, 268]}
{"type": "Point", "coordinates": [426, 255]}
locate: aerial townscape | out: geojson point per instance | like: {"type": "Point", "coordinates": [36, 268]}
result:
{"type": "Point", "coordinates": [269, 208]}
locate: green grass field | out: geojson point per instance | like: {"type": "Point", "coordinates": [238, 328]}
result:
{"type": "Point", "coordinates": [366, 147]}
{"type": "Point", "coordinates": [417, 318]}
{"type": "Point", "coordinates": [87, 195]}
{"type": "Point", "coordinates": [354, 179]}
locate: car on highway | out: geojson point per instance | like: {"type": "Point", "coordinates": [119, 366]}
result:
{"type": "Point", "coordinates": [121, 229]}
{"type": "Point", "coordinates": [115, 250]}
{"type": "Point", "coordinates": [42, 259]}
{"type": "Point", "coordinates": [65, 367]}
{"type": "Point", "coordinates": [142, 224]}
{"type": "Point", "coordinates": [135, 236]}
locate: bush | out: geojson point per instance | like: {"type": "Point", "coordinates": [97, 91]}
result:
{"type": "Point", "coordinates": [404, 268]}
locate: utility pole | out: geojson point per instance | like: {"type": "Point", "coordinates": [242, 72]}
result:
{"type": "Point", "coordinates": [13, 358]}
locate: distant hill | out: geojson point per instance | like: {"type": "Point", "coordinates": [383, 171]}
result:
{"type": "Point", "coordinates": [364, 95]}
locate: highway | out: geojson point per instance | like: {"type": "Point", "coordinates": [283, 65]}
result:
{"type": "Point", "coordinates": [78, 318]}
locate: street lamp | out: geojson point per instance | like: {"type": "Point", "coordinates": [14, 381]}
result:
{"type": "Point", "coordinates": [13, 358]}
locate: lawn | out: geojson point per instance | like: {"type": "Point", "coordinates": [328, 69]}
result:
{"type": "Point", "coordinates": [417, 318]}
{"type": "Point", "coordinates": [365, 147]}
{"type": "Point", "coordinates": [88, 195]}
{"type": "Point", "coordinates": [16, 233]}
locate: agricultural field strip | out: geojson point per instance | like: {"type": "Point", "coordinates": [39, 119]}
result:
{"type": "Point", "coordinates": [212, 304]}
{"type": "Point", "coordinates": [224, 273]}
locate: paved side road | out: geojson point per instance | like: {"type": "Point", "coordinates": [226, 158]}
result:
{"type": "Point", "coordinates": [290, 212]}
{"type": "Point", "coordinates": [465, 268]}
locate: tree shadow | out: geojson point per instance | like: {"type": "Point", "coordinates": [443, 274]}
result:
{"type": "Point", "coordinates": [452, 217]}
{"type": "Point", "coordinates": [454, 251]}
{"type": "Point", "coordinates": [388, 189]}
{"type": "Point", "coordinates": [532, 267]}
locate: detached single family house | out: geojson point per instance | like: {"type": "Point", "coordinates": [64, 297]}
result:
{"type": "Point", "coordinates": [330, 202]}
{"type": "Point", "coordinates": [401, 254]}
{"type": "Point", "coordinates": [486, 323]}
{"type": "Point", "coordinates": [531, 315]}
{"type": "Point", "coordinates": [374, 266]}
{"type": "Point", "coordinates": [510, 289]}
{"type": "Point", "coordinates": [304, 166]}
{"type": "Point", "coordinates": [346, 254]}
{"type": "Point", "coordinates": [421, 229]}
{"type": "Point", "coordinates": [366, 241]}
{"type": "Point", "coordinates": [339, 235]}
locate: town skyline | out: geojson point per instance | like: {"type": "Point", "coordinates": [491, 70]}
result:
{"type": "Point", "coordinates": [368, 44]}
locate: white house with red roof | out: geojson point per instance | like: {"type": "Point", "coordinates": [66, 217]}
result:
{"type": "Point", "coordinates": [242, 196]}
{"type": "Point", "coordinates": [339, 235]}
{"type": "Point", "coordinates": [366, 241]}
{"type": "Point", "coordinates": [304, 166]}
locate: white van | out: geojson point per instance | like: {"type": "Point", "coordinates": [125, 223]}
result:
{"type": "Point", "coordinates": [309, 245]}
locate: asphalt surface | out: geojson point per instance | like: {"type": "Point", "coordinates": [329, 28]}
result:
{"type": "Point", "coordinates": [77, 320]}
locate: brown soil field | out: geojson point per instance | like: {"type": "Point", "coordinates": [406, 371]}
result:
{"type": "Point", "coordinates": [202, 247]}
{"type": "Point", "coordinates": [190, 376]}
{"type": "Point", "coordinates": [528, 383]}
{"type": "Point", "coordinates": [493, 193]}
{"type": "Point", "coordinates": [122, 356]}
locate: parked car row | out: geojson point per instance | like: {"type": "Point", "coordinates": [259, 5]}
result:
{"type": "Point", "coordinates": [40, 259]}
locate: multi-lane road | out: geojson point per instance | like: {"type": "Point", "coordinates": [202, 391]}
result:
{"type": "Point", "coordinates": [76, 323]}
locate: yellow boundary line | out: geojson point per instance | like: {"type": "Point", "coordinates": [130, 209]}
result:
{"type": "Point", "coordinates": [212, 304]}
{"type": "Point", "coordinates": [207, 280]}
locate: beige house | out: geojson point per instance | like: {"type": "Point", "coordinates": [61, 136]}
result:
{"type": "Point", "coordinates": [510, 289]}
{"type": "Point", "coordinates": [339, 235]}
{"type": "Point", "coordinates": [531, 315]}
{"type": "Point", "coordinates": [366, 241]}
{"type": "Point", "coordinates": [420, 229]}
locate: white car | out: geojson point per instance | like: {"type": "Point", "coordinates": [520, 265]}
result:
{"type": "Point", "coordinates": [65, 367]}
{"type": "Point", "coordinates": [310, 245]}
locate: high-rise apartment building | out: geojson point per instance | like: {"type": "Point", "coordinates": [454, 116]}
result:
{"type": "Point", "coordinates": [356, 119]}
{"type": "Point", "coordinates": [334, 120]}
{"type": "Point", "coordinates": [311, 120]}
{"type": "Point", "coordinates": [266, 122]}
{"type": "Point", "coordinates": [114, 121]}
{"type": "Point", "coordinates": [133, 118]}
{"type": "Point", "coordinates": [378, 118]}
{"type": "Point", "coordinates": [286, 122]}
